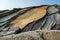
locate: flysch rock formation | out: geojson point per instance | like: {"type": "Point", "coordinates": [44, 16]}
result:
{"type": "Point", "coordinates": [23, 23]}
{"type": "Point", "coordinates": [35, 35]}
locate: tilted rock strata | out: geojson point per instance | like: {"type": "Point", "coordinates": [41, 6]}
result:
{"type": "Point", "coordinates": [45, 17]}
{"type": "Point", "coordinates": [34, 35]}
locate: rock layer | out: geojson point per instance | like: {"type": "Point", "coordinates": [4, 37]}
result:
{"type": "Point", "coordinates": [19, 20]}
{"type": "Point", "coordinates": [34, 35]}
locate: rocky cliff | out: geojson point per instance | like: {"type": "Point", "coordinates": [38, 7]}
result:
{"type": "Point", "coordinates": [19, 21]}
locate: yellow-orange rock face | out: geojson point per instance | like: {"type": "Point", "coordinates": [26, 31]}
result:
{"type": "Point", "coordinates": [30, 16]}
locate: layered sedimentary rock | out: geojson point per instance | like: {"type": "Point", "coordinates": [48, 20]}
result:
{"type": "Point", "coordinates": [17, 20]}
{"type": "Point", "coordinates": [34, 35]}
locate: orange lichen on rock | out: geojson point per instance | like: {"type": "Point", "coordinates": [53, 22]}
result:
{"type": "Point", "coordinates": [30, 16]}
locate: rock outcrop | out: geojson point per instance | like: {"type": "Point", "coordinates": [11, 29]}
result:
{"type": "Point", "coordinates": [34, 35]}
{"type": "Point", "coordinates": [19, 21]}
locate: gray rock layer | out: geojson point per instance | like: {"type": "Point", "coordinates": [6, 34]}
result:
{"type": "Point", "coordinates": [34, 35]}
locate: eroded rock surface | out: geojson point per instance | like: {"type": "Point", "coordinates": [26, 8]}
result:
{"type": "Point", "coordinates": [17, 21]}
{"type": "Point", "coordinates": [34, 35]}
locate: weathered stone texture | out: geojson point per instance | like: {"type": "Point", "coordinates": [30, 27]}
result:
{"type": "Point", "coordinates": [34, 35]}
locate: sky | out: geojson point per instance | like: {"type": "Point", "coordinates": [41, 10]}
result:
{"type": "Point", "coordinates": [9, 4]}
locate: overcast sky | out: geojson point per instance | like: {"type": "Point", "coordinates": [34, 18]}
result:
{"type": "Point", "coordinates": [9, 4]}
